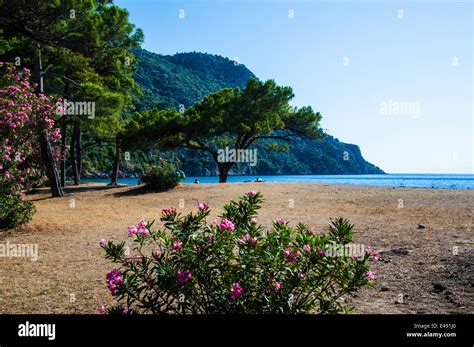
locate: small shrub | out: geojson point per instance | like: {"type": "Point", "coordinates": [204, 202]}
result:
{"type": "Point", "coordinates": [162, 176]}
{"type": "Point", "coordinates": [14, 211]}
{"type": "Point", "coordinates": [234, 265]}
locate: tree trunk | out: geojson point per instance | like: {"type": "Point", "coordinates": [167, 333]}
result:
{"type": "Point", "coordinates": [63, 151]}
{"type": "Point", "coordinates": [79, 151]}
{"type": "Point", "coordinates": [74, 166]}
{"type": "Point", "coordinates": [63, 141]}
{"type": "Point", "coordinates": [224, 169]}
{"type": "Point", "coordinates": [45, 145]}
{"type": "Point", "coordinates": [51, 171]}
{"type": "Point", "coordinates": [116, 167]}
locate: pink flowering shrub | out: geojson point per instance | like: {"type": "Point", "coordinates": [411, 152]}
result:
{"type": "Point", "coordinates": [233, 266]}
{"type": "Point", "coordinates": [22, 115]}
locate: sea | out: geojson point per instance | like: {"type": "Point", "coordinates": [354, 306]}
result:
{"type": "Point", "coordinates": [437, 181]}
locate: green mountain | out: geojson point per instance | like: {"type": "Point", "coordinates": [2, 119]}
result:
{"type": "Point", "coordinates": [185, 78]}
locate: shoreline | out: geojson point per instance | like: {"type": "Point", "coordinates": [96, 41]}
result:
{"type": "Point", "coordinates": [275, 183]}
{"type": "Point", "coordinates": [434, 181]}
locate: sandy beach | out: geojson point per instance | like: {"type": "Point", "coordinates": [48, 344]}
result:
{"type": "Point", "coordinates": [427, 270]}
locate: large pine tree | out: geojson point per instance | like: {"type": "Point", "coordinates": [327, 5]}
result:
{"type": "Point", "coordinates": [77, 49]}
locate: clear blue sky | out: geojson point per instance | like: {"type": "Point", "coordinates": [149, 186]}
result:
{"type": "Point", "coordinates": [423, 58]}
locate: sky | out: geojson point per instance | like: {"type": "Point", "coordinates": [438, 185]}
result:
{"type": "Point", "coordinates": [394, 78]}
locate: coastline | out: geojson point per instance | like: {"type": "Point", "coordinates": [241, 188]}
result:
{"type": "Point", "coordinates": [441, 181]}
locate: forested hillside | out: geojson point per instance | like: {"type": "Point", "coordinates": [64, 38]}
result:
{"type": "Point", "coordinates": [183, 79]}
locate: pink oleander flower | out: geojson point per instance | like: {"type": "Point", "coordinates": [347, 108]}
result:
{"type": "Point", "coordinates": [227, 225]}
{"type": "Point", "coordinates": [57, 133]}
{"type": "Point", "coordinates": [297, 253]}
{"type": "Point", "coordinates": [183, 276]}
{"type": "Point", "coordinates": [167, 212]}
{"type": "Point", "coordinates": [236, 291]}
{"type": "Point", "coordinates": [311, 231]}
{"type": "Point", "coordinates": [368, 249]}
{"type": "Point", "coordinates": [157, 254]}
{"type": "Point", "coordinates": [202, 206]}
{"type": "Point", "coordinates": [370, 276]}
{"type": "Point", "coordinates": [102, 243]}
{"type": "Point", "coordinates": [291, 258]}
{"type": "Point", "coordinates": [375, 256]}
{"type": "Point", "coordinates": [102, 309]}
{"type": "Point", "coordinates": [114, 279]}
{"type": "Point", "coordinates": [142, 230]}
{"type": "Point", "coordinates": [280, 221]}
{"type": "Point", "coordinates": [132, 230]}
{"type": "Point", "coordinates": [213, 223]}
{"type": "Point", "coordinates": [301, 274]}
{"type": "Point", "coordinates": [177, 245]}
{"type": "Point", "coordinates": [245, 238]}
{"type": "Point", "coordinates": [252, 193]}
{"type": "Point", "coordinates": [138, 259]}
{"type": "Point", "coordinates": [307, 248]}
{"type": "Point", "coordinates": [276, 286]}
{"type": "Point", "coordinates": [321, 252]}
{"type": "Point", "coordinates": [254, 221]}
{"type": "Point", "coordinates": [142, 224]}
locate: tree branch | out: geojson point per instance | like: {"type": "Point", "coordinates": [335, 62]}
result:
{"type": "Point", "coordinates": [63, 77]}
{"type": "Point", "coordinates": [276, 137]}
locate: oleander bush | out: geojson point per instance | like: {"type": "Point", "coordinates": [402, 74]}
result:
{"type": "Point", "coordinates": [234, 265]}
{"type": "Point", "coordinates": [24, 115]}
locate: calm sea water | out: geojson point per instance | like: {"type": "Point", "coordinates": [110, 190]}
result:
{"type": "Point", "coordinates": [446, 181]}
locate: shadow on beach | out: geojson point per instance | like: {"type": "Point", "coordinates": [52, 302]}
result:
{"type": "Point", "coordinates": [45, 193]}
{"type": "Point", "coordinates": [140, 190]}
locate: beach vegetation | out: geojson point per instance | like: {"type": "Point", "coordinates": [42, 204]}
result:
{"type": "Point", "coordinates": [233, 264]}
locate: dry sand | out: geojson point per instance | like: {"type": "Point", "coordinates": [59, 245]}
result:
{"type": "Point", "coordinates": [69, 276]}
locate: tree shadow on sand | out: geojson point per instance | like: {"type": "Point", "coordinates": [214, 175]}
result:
{"type": "Point", "coordinates": [143, 189]}
{"type": "Point", "coordinates": [45, 193]}
{"type": "Point", "coordinates": [80, 189]}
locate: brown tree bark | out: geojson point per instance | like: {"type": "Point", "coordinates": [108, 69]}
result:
{"type": "Point", "coordinates": [224, 169]}
{"type": "Point", "coordinates": [63, 152]}
{"type": "Point", "coordinates": [74, 166]}
{"type": "Point", "coordinates": [51, 171]}
{"type": "Point", "coordinates": [116, 167]}
{"type": "Point", "coordinates": [45, 145]}
{"type": "Point", "coordinates": [63, 162]}
{"type": "Point", "coordinates": [79, 151]}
